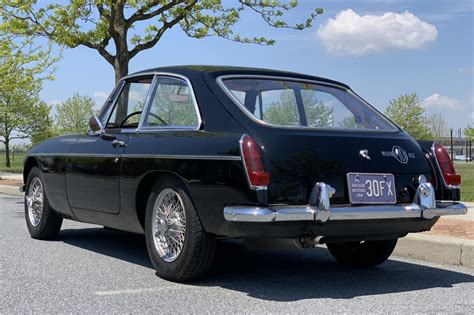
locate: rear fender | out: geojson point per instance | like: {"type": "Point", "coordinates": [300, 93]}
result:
{"type": "Point", "coordinates": [442, 191]}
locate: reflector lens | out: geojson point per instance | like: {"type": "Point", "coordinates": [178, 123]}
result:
{"type": "Point", "coordinates": [446, 166]}
{"type": "Point", "coordinates": [253, 163]}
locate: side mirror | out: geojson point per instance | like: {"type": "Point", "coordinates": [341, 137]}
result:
{"type": "Point", "coordinates": [95, 126]}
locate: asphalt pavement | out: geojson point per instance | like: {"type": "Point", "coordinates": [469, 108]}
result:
{"type": "Point", "coordinates": [90, 269]}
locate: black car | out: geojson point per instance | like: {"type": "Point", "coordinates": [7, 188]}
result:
{"type": "Point", "coordinates": [193, 154]}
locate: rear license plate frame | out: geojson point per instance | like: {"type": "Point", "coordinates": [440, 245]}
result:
{"type": "Point", "coordinates": [358, 190]}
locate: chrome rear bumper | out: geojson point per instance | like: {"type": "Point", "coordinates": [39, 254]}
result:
{"type": "Point", "coordinates": [319, 209]}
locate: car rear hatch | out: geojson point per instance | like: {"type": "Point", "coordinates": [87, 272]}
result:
{"type": "Point", "coordinates": [297, 159]}
{"type": "Point", "coordinates": [319, 131]}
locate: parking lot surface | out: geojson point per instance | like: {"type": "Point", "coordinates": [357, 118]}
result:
{"type": "Point", "coordinates": [90, 269]}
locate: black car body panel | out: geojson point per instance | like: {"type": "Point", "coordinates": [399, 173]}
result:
{"type": "Point", "coordinates": [90, 180]}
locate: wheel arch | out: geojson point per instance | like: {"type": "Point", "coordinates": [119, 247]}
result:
{"type": "Point", "coordinates": [29, 163]}
{"type": "Point", "coordinates": [144, 189]}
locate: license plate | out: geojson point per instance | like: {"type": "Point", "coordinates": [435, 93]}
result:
{"type": "Point", "coordinates": [365, 188]}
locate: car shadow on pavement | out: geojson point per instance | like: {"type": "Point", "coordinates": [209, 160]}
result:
{"type": "Point", "coordinates": [126, 246]}
{"type": "Point", "coordinates": [285, 275]}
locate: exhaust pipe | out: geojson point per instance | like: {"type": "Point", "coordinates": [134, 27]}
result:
{"type": "Point", "coordinates": [305, 241]}
{"type": "Point", "coordinates": [309, 241]}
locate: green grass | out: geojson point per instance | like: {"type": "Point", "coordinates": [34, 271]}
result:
{"type": "Point", "coordinates": [466, 170]}
{"type": "Point", "coordinates": [17, 163]}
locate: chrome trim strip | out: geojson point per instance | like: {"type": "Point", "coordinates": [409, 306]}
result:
{"type": "Point", "coordinates": [235, 100]}
{"type": "Point", "coordinates": [319, 210]}
{"type": "Point", "coordinates": [449, 208]}
{"type": "Point", "coordinates": [111, 99]}
{"type": "Point", "coordinates": [149, 96]}
{"type": "Point", "coordinates": [121, 85]}
{"type": "Point", "coordinates": [256, 214]}
{"type": "Point", "coordinates": [307, 213]}
{"type": "Point", "coordinates": [183, 157]}
{"type": "Point", "coordinates": [375, 212]}
{"type": "Point", "coordinates": [146, 156]}
{"type": "Point", "coordinates": [76, 155]}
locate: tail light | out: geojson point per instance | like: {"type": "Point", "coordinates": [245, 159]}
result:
{"type": "Point", "coordinates": [256, 175]}
{"type": "Point", "coordinates": [446, 166]}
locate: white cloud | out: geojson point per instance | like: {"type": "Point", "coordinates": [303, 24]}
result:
{"type": "Point", "coordinates": [352, 34]}
{"type": "Point", "coordinates": [100, 95]}
{"type": "Point", "coordinates": [442, 102]}
{"type": "Point", "coordinates": [466, 70]}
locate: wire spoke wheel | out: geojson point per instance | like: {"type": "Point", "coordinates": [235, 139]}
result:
{"type": "Point", "coordinates": [169, 224]}
{"type": "Point", "coordinates": [35, 201]}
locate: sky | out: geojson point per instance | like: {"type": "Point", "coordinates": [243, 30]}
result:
{"type": "Point", "coordinates": [381, 48]}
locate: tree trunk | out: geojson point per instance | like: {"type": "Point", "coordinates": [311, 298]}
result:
{"type": "Point", "coordinates": [7, 153]}
{"type": "Point", "coordinates": [120, 67]}
{"type": "Point", "coordinates": [121, 70]}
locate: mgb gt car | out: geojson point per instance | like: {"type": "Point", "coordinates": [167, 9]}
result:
{"type": "Point", "coordinates": [193, 154]}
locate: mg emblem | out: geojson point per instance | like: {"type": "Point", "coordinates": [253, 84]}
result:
{"type": "Point", "coordinates": [400, 154]}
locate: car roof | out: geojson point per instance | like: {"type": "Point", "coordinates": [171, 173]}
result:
{"type": "Point", "coordinates": [216, 71]}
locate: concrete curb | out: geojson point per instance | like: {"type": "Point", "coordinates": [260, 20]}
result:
{"type": "Point", "coordinates": [438, 249]}
{"type": "Point", "coordinates": [10, 190]}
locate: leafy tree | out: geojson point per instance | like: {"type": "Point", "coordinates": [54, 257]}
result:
{"type": "Point", "coordinates": [111, 26]}
{"type": "Point", "coordinates": [285, 111]}
{"type": "Point", "coordinates": [22, 115]}
{"type": "Point", "coordinates": [437, 125]}
{"type": "Point", "coordinates": [407, 112]}
{"type": "Point", "coordinates": [42, 127]}
{"type": "Point", "coordinates": [21, 61]}
{"type": "Point", "coordinates": [317, 113]}
{"type": "Point", "coordinates": [23, 67]}
{"type": "Point", "coordinates": [73, 115]}
{"type": "Point", "coordinates": [469, 133]}
{"type": "Point", "coordinates": [349, 123]}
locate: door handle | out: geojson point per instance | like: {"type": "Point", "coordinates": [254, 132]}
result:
{"type": "Point", "coordinates": [117, 143]}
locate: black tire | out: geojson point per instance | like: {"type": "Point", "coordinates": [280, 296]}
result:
{"type": "Point", "coordinates": [198, 248]}
{"type": "Point", "coordinates": [49, 221]}
{"type": "Point", "coordinates": [362, 254]}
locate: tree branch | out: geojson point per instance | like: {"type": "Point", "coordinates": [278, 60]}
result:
{"type": "Point", "coordinates": [100, 47]}
{"type": "Point", "coordinates": [139, 15]}
{"type": "Point", "coordinates": [161, 31]}
{"type": "Point", "coordinates": [18, 137]}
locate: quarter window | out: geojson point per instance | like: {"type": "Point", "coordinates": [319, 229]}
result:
{"type": "Point", "coordinates": [172, 105]}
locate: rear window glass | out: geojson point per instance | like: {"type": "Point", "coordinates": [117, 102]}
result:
{"type": "Point", "coordinates": [299, 104]}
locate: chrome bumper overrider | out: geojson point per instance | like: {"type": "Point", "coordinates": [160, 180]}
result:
{"type": "Point", "coordinates": [319, 209]}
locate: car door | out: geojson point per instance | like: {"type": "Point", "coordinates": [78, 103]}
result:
{"type": "Point", "coordinates": [95, 161]}
{"type": "Point", "coordinates": [168, 131]}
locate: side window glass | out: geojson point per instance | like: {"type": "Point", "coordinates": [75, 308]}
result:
{"type": "Point", "coordinates": [172, 105]}
{"type": "Point", "coordinates": [129, 105]}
